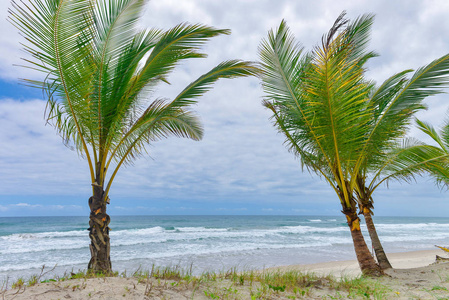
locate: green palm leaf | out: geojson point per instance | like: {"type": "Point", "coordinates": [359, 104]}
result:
{"type": "Point", "coordinates": [439, 169]}
{"type": "Point", "coordinates": [430, 131]}
{"type": "Point", "coordinates": [405, 162]}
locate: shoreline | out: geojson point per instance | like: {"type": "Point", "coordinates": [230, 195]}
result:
{"type": "Point", "coordinates": [415, 275]}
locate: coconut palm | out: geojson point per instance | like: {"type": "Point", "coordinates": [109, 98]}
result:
{"type": "Point", "coordinates": [333, 118]}
{"type": "Point", "coordinates": [319, 102]}
{"type": "Point", "coordinates": [101, 72]}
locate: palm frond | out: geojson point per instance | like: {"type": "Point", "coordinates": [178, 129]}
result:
{"type": "Point", "coordinates": [440, 169]}
{"type": "Point", "coordinates": [181, 42]}
{"type": "Point", "coordinates": [227, 69]}
{"type": "Point", "coordinates": [382, 95]}
{"type": "Point", "coordinates": [114, 29]}
{"type": "Point", "coordinates": [158, 122]}
{"type": "Point", "coordinates": [430, 131]}
{"type": "Point", "coordinates": [413, 158]}
{"type": "Point", "coordinates": [59, 42]}
{"type": "Point", "coordinates": [121, 109]}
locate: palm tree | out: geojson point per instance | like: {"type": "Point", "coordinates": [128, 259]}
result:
{"type": "Point", "coordinates": [101, 72]}
{"type": "Point", "coordinates": [319, 102]}
{"type": "Point", "coordinates": [336, 121]}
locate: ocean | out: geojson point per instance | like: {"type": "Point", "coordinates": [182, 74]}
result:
{"type": "Point", "coordinates": [201, 243]}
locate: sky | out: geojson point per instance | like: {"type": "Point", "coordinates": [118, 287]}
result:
{"type": "Point", "coordinates": [241, 166]}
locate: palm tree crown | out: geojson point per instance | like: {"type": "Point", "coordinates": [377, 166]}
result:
{"type": "Point", "coordinates": [319, 99]}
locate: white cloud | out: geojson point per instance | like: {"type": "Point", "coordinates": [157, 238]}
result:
{"type": "Point", "coordinates": [25, 205]}
{"type": "Point", "coordinates": [39, 208]}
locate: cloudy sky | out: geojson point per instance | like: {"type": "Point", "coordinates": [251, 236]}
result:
{"type": "Point", "coordinates": [241, 165]}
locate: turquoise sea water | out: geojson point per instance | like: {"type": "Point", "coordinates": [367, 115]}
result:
{"type": "Point", "coordinates": [206, 242]}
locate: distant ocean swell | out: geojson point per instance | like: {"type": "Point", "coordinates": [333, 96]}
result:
{"type": "Point", "coordinates": [207, 242]}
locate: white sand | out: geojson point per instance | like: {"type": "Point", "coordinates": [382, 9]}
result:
{"type": "Point", "coordinates": [402, 260]}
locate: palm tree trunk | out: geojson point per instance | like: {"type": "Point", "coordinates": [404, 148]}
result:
{"type": "Point", "coordinates": [366, 261]}
{"type": "Point", "coordinates": [365, 202]}
{"type": "Point", "coordinates": [100, 261]}
{"type": "Point", "coordinates": [378, 249]}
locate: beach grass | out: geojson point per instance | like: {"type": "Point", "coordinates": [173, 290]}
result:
{"type": "Point", "coordinates": [230, 284]}
{"type": "Point", "coordinates": [263, 285]}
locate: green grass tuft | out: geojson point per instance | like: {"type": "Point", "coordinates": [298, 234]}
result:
{"type": "Point", "coordinates": [232, 284]}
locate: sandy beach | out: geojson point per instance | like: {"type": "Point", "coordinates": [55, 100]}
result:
{"type": "Point", "coordinates": [350, 268]}
{"type": "Point", "coordinates": [415, 276]}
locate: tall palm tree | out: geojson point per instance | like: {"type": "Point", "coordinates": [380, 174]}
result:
{"type": "Point", "coordinates": [319, 102]}
{"type": "Point", "coordinates": [332, 117]}
{"type": "Point", "coordinates": [101, 72]}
